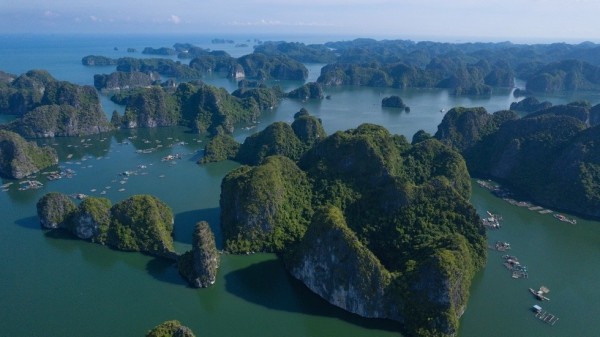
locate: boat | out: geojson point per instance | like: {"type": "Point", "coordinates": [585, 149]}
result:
{"type": "Point", "coordinates": [539, 294]}
{"type": "Point", "coordinates": [563, 218]}
{"type": "Point", "coordinates": [502, 246]}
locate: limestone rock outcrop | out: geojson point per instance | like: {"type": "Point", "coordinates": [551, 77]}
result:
{"type": "Point", "coordinates": [20, 158]}
{"type": "Point", "coordinates": [199, 266]}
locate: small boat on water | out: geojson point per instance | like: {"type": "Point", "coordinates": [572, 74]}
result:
{"type": "Point", "coordinates": [502, 246]}
{"type": "Point", "coordinates": [563, 218]}
{"type": "Point", "coordinates": [540, 294]}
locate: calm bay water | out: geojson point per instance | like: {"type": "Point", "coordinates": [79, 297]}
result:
{"type": "Point", "coordinates": [53, 285]}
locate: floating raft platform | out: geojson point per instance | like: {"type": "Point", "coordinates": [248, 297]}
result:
{"type": "Point", "coordinates": [544, 316]}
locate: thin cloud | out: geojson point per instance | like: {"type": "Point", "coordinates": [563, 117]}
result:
{"type": "Point", "coordinates": [50, 14]}
{"type": "Point", "coordinates": [264, 22]}
{"type": "Point", "coordinates": [175, 19]}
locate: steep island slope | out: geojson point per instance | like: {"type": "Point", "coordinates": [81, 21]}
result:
{"type": "Point", "coordinates": [20, 158]}
{"type": "Point", "coordinates": [373, 224]}
{"type": "Point", "coordinates": [550, 157]}
{"type": "Point", "coordinates": [50, 108]}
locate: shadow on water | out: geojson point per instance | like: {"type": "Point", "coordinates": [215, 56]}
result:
{"type": "Point", "coordinates": [268, 284]}
{"type": "Point", "coordinates": [165, 270]}
{"type": "Point", "coordinates": [32, 222]}
{"type": "Point", "coordinates": [185, 222]}
{"type": "Point", "coordinates": [197, 156]}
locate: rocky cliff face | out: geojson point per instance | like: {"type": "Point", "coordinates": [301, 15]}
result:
{"type": "Point", "coordinates": [548, 156]}
{"type": "Point", "coordinates": [61, 121]}
{"type": "Point", "coordinates": [140, 223]}
{"type": "Point", "coordinates": [333, 263]}
{"type": "Point", "coordinates": [463, 127]}
{"type": "Point", "coordinates": [264, 208]}
{"type": "Point", "coordinates": [150, 108]}
{"type": "Point", "coordinates": [92, 219]}
{"type": "Point", "coordinates": [391, 228]}
{"type": "Point", "coordinates": [24, 92]}
{"type": "Point", "coordinates": [54, 108]}
{"type": "Point", "coordinates": [199, 266]}
{"type": "Point", "coordinates": [54, 210]}
{"type": "Point", "coordinates": [19, 158]}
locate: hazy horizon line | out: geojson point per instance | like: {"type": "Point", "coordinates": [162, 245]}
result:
{"type": "Point", "coordinates": [288, 37]}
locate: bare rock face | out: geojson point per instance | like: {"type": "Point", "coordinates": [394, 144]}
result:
{"type": "Point", "coordinates": [19, 158]}
{"type": "Point", "coordinates": [92, 218]}
{"type": "Point", "coordinates": [54, 210]}
{"type": "Point", "coordinates": [335, 265]}
{"type": "Point", "coordinates": [199, 266]}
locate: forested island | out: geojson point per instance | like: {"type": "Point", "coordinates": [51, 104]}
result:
{"type": "Point", "coordinates": [463, 68]}
{"type": "Point", "coordinates": [253, 66]}
{"type": "Point", "coordinates": [48, 107]}
{"type": "Point", "coordinates": [549, 156]}
{"type": "Point", "coordinates": [354, 217]}
{"type": "Point", "coordinates": [141, 223]}
{"type": "Point", "coordinates": [170, 329]}
{"type": "Point", "coordinates": [20, 158]}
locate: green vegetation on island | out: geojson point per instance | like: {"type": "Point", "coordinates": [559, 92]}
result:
{"type": "Point", "coordinates": [124, 80]}
{"type": "Point", "coordinates": [199, 266]}
{"type": "Point", "coordinates": [205, 109]}
{"type": "Point", "coordinates": [164, 51]}
{"type": "Point", "coordinates": [50, 108]}
{"type": "Point", "coordinates": [452, 73]}
{"type": "Point", "coordinates": [276, 139]}
{"type": "Point", "coordinates": [311, 90]}
{"type": "Point", "coordinates": [271, 207]}
{"type": "Point", "coordinates": [394, 102]}
{"type": "Point", "coordinates": [170, 329]}
{"type": "Point", "coordinates": [20, 158]}
{"type": "Point", "coordinates": [140, 223]}
{"type": "Point", "coordinates": [312, 53]}
{"type": "Point", "coordinates": [463, 68]}
{"type": "Point", "coordinates": [371, 223]}
{"type": "Point", "coordinates": [256, 65]}
{"type": "Point", "coordinates": [219, 148]}
{"type": "Point", "coordinates": [92, 219]}
{"type": "Point", "coordinates": [530, 104]}
{"type": "Point", "coordinates": [548, 157]}
{"type": "Point", "coordinates": [54, 210]}
{"type": "Point", "coordinates": [565, 75]}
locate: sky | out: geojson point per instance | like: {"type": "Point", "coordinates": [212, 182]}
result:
{"type": "Point", "coordinates": [469, 20]}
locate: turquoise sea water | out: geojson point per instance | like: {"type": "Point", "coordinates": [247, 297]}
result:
{"type": "Point", "coordinates": [53, 285]}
